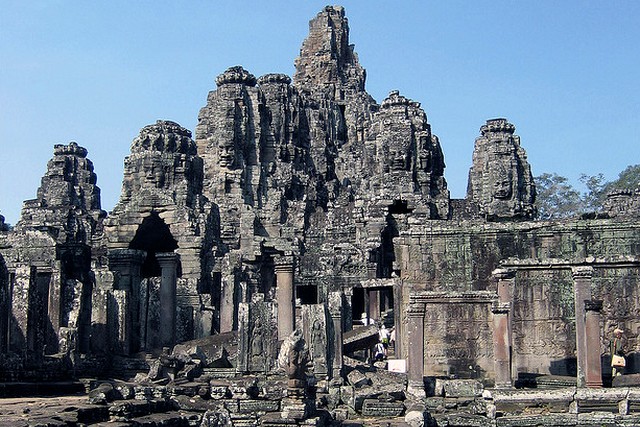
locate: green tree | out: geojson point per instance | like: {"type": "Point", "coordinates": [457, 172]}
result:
{"type": "Point", "coordinates": [593, 198]}
{"type": "Point", "coordinates": [556, 198]}
{"type": "Point", "coordinates": [628, 179]}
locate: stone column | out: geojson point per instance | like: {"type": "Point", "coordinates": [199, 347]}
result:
{"type": "Point", "coordinates": [505, 283]}
{"type": "Point", "coordinates": [593, 368]}
{"type": "Point", "coordinates": [284, 295]}
{"type": "Point", "coordinates": [415, 359]}
{"type": "Point", "coordinates": [582, 289]}
{"type": "Point", "coordinates": [125, 329]}
{"type": "Point", "coordinates": [502, 344]}
{"type": "Point", "coordinates": [335, 347]}
{"type": "Point", "coordinates": [168, 301]}
{"type": "Point", "coordinates": [374, 303]}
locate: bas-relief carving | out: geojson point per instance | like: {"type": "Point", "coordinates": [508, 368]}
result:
{"type": "Point", "coordinates": [315, 328]}
{"type": "Point", "coordinates": [458, 334]}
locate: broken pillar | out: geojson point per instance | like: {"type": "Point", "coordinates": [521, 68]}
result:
{"type": "Point", "coordinates": [593, 367]}
{"type": "Point", "coordinates": [582, 290]}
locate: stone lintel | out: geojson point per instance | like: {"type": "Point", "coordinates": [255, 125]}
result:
{"type": "Point", "coordinates": [126, 256]}
{"type": "Point", "coordinates": [471, 297]}
{"type": "Point", "coordinates": [380, 283]}
{"type": "Point", "coordinates": [504, 273]}
{"type": "Point", "coordinates": [622, 261]}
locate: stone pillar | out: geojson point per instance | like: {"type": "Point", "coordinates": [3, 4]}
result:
{"type": "Point", "coordinates": [505, 283]}
{"type": "Point", "coordinates": [502, 344]}
{"type": "Point", "coordinates": [582, 288]}
{"type": "Point", "coordinates": [335, 339]}
{"type": "Point", "coordinates": [415, 357]}
{"type": "Point", "coordinates": [374, 304]}
{"type": "Point", "coordinates": [126, 267]}
{"type": "Point", "coordinates": [168, 301]}
{"type": "Point", "coordinates": [593, 368]}
{"type": "Point", "coordinates": [284, 296]}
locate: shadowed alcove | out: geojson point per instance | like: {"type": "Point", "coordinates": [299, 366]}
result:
{"type": "Point", "coordinates": [153, 236]}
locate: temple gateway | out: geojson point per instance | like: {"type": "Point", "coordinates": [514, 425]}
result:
{"type": "Point", "coordinates": [240, 261]}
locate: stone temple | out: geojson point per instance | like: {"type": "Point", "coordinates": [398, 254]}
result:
{"type": "Point", "coordinates": [228, 285]}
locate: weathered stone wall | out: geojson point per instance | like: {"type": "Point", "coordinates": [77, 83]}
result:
{"type": "Point", "coordinates": [447, 258]}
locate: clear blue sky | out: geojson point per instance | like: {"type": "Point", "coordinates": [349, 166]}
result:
{"type": "Point", "coordinates": [564, 72]}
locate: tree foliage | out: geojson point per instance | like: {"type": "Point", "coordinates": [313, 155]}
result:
{"type": "Point", "coordinates": [558, 199]}
{"type": "Point", "coordinates": [555, 197]}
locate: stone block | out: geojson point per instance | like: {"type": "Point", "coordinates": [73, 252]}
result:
{"type": "Point", "coordinates": [357, 379]}
{"type": "Point", "coordinates": [258, 406]}
{"type": "Point", "coordinates": [377, 408]}
{"type": "Point", "coordinates": [460, 388]}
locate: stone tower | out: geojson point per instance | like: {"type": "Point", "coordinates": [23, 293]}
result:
{"type": "Point", "coordinates": [160, 240]}
{"type": "Point", "coordinates": [500, 179]}
{"type": "Point", "coordinates": [52, 248]}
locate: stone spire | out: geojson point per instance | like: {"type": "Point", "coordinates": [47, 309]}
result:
{"type": "Point", "coordinates": [68, 198]}
{"type": "Point", "coordinates": [327, 61]}
{"type": "Point", "coordinates": [500, 179]}
{"type": "Point", "coordinates": [163, 168]}
{"type": "Point", "coordinates": [407, 160]}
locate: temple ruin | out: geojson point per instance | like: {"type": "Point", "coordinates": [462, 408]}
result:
{"type": "Point", "coordinates": [239, 261]}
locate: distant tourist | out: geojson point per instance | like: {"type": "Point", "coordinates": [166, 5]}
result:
{"type": "Point", "coordinates": [379, 352]}
{"type": "Point", "coordinates": [366, 321]}
{"type": "Point", "coordinates": [383, 335]}
{"type": "Point", "coordinates": [616, 348]}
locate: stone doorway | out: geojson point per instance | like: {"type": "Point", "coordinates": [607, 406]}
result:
{"type": "Point", "coordinates": [153, 236]}
{"type": "Point", "coordinates": [159, 272]}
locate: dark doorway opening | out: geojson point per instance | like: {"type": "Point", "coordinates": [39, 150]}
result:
{"type": "Point", "coordinates": [307, 294]}
{"type": "Point", "coordinates": [357, 304]}
{"type": "Point", "coordinates": [153, 236]}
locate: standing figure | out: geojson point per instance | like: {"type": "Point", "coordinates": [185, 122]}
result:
{"type": "Point", "coordinates": [383, 335]}
{"type": "Point", "coordinates": [616, 348]}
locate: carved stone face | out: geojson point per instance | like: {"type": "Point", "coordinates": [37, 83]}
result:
{"type": "Point", "coordinates": [397, 159]}
{"type": "Point", "coordinates": [226, 153]}
{"type": "Point", "coordinates": [155, 174]}
{"type": "Point", "coordinates": [502, 188]}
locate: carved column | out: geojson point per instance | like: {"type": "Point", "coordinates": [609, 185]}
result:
{"type": "Point", "coordinates": [415, 359]}
{"type": "Point", "coordinates": [284, 296]}
{"type": "Point", "coordinates": [124, 310]}
{"type": "Point", "coordinates": [502, 344]}
{"type": "Point", "coordinates": [582, 288]}
{"type": "Point", "coordinates": [335, 309]}
{"type": "Point", "coordinates": [593, 369]}
{"type": "Point", "coordinates": [168, 301]}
